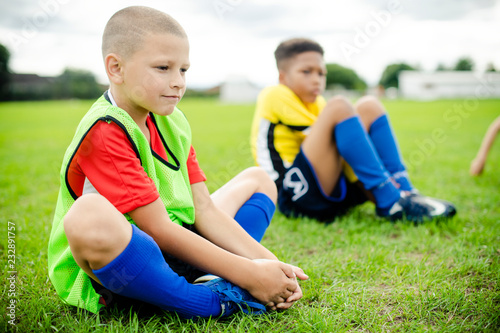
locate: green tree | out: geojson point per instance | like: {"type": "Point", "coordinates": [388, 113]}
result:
{"type": "Point", "coordinates": [77, 83]}
{"type": "Point", "coordinates": [346, 77]}
{"type": "Point", "coordinates": [464, 64]}
{"type": "Point", "coordinates": [441, 67]}
{"type": "Point", "coordinates": [490, 67]}
{"type": "Point", "coordinates": [390, 76]}
{"type": "Point", "coordinates": [4, 73]}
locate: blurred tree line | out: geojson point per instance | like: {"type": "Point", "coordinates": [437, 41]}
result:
{"type": "Point", "coordinates": [347, 78]}
{"type": "Point", "coordinates": [75, 83]}
{"type": "Point", "coordinates": [390, 76]}
{"type": "Point", "coordinates": [72, 83]}
{"type": "Point", "coordinates": [4, 72]}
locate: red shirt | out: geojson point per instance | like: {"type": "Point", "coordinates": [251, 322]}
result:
{"type": "Point", "coordinates": [106, 158]}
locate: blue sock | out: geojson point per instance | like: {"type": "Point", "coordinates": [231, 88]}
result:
{"type": "Point", "coordinates": [141, 273]}
{"type": "Point", "coordinates": [385, 143]}
{"type": "Point", "coordinates": [356, 148]}
{"type": "Point", "coordinates": [255, 215]}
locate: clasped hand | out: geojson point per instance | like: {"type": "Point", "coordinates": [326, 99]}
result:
{"type": "Point", "coordinates": [275, 283]}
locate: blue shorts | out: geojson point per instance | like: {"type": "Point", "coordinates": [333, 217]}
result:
{"type": "Point", "coordinates": [301, 194]}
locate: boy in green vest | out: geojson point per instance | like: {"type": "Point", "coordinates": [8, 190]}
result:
{"type": "Point", "coordinates": [134, 219]}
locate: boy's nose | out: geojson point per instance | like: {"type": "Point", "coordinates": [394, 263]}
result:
{"type": "Point", "coordinates": [178, 81]}
{"type": "Point", "coordinates": [317, 78]}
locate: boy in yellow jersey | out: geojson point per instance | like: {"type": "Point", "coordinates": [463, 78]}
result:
{"type": "Point", "coordinates": [134, 221]}
{"type": "Point", "coordinates": [327, 157]}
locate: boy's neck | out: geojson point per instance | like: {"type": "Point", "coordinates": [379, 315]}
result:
{"type": "Point", "coordinates": [293, 92]}
{"type": "Point", "coordinates": [138, 117]}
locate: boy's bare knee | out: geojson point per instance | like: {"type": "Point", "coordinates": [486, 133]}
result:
{"type": "Point", "coordinates": [339, 99]}
{"type": "Point", "coordinates": [369, 109]}
{"type": "Point", "coordinates": [92, 222]}
{"type": "Point", "coordinates": [369, 106]}
{"type": "Point", "coordinates": [96, 231]}
{"type": "Point", "coordinates": [340, 102]}
{"type": "Point", "coordinates": [265, 184]}
{"type": "Point", "coordinates": [338, 108]}
{"type": "Point", "coordinates": [83, 215]}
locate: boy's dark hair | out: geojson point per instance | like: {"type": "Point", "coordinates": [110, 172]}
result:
{"type": "Point", "coordinates": [291, 47]}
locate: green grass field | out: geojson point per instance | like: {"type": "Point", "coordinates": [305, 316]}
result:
{"type": "Point", "coordinates": [366, 274]}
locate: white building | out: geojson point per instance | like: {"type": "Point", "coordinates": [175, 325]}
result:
{"type": "Point", "coordinates": [237, 89]}
{"type": "Point", "coordinates": [449, 84]}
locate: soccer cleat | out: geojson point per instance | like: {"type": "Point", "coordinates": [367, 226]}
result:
{"type": "Point", "coordinates": [233, 298]}
{"type": "Point", "coordinates": [418, 208]}
{"type": "Point", "coordinates": [450, 209]}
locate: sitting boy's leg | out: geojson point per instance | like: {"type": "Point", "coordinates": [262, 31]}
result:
{"type": "Point", "coordinates": [250, 198]}
{"type": "Point", "coordinates": [338, 133]}
{"type": "Point", "coordinates": [93, 238]}
{"type": "Point", "coordinates": [319, 146]}
{"type": "Point", "coordinates": [302, 195]}
{"type": "Point", "coordinates": [314, 185]}
{"type": "Point", "coordinates": [128, 262]}
{"type": "Point", "coordinates": [377, 124]}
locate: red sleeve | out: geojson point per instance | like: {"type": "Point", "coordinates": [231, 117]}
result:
{"type": "Point", "coordinates": [196, 175]}
{"type": "Point", "coordinates": [109, 162]}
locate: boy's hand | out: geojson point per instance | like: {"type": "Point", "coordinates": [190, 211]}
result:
{"type": "Point", "coordinates": [477, 166]}
{"type": "Point", "coordinates": [276, 283]}
{"type": "Point", "coordinates": [297, 294]}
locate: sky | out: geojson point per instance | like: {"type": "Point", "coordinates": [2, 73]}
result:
{"type": "Point", "coordinates": [236, 38]}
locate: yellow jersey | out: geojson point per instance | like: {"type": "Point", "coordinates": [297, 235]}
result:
{"type": "Point", "coordinates": [281, 123]}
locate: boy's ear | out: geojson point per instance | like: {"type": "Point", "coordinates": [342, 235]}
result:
{"type": "Point", "coordinates": [114, 68]}
{"type": "Point", "coordinates": [282, 76]}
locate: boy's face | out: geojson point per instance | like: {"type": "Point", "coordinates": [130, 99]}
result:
{"type": "Point", "coordinates": [305, 75]}
{"type": "Point", "coordinates": [154, 76]}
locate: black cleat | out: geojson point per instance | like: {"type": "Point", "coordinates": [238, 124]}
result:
{"type": "Point", "coordinates": [418, 208]}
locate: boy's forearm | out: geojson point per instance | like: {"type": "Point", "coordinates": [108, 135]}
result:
{"type": "Point", "coordinates": [270, 281]}
{"type": "Point", "coordinates": [488, 139]}
{"type": "Point", "coordinates": [190, 247]}
{"type": "Point", "coordinates": [220, 229]}
{"type": "Point", "coordinates": [199, 252]}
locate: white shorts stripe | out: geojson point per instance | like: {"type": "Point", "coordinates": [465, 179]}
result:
{"type": "Point", "coordinates": [263, 153]}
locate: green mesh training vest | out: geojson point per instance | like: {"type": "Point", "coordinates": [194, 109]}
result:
{"type": "Point", "coordinates": [170, 177]}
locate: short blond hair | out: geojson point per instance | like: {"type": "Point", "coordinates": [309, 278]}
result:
{"type": "Point", "coordinates": [126, 29]}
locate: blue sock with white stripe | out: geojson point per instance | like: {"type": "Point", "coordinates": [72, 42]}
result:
{"type": "Point", "coordinates": [141, 273]}
{"type": "Point", "coordinates": [255, 215]}
{"type": "Point", "coordinates": [356, 148]}
{"type": "Point", "coordinates": [385, 143]}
